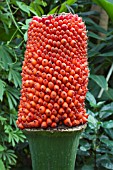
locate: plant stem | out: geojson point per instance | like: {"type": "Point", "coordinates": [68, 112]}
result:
{"type": "Point", "coordinates": [13, 18]}
{"type": "Point", "coordinates": [8, 42]}
{"type": "Point", "coordinates": [53, 150]}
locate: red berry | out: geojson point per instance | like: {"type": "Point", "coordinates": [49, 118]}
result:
{"type": "Point", "coordinates": [42, 109]}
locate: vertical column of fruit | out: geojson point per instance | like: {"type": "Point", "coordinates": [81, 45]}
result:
{"type": "Point", "coordinates": [54, 85]}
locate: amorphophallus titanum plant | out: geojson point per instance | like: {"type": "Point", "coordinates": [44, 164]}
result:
{"type": "Point", "coordinates": [54, 85]}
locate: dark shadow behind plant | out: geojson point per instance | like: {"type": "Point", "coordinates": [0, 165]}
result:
{"type": "Point", "coordinates": [95, 151]}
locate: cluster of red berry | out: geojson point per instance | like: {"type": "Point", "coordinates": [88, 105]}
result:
{"type": "Point", "coordinates": [54, 73]}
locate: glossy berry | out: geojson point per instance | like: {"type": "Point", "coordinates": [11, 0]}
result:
{"type": "Point", "coordinates": [54, 73]}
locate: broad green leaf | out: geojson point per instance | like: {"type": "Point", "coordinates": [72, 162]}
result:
{"type": "Point", "coordinates": [26, 25]}
{"type": "Point", "coordinates": [3, 120]}
{"type": "Point", "coordinates": [54, 10]}
{"type": "Point", "coordinates": [100, 80]}
{"type": "Point", "coordinates": [92, 120]}
{"type": "Point", "coordinates": [23, 7]}
{"type": "Point", "coordinates": [70, 2]}
{"type": "Point", "coordinates": [109, 132]}
{"type": "Point", "coordinates": [63, 8]}
{"type": "Point", "coordinates": [2, 89]}
{"type": "Point", "coordinates": [108, 124]}
{"type": "Point", "coordinates": [1, 148]}
{"type": "Point", "coordinates": [107, 5]}
{"type": "Point", "coordinates": [107, 164]}
{"type": "Point", "coordinates": [104, 160]}
{"type": "Point", "coordinates": [84, 145]}
{"type": "Point", "coordinates": [25, 36]}
{"type": "Point", "coordinates": [106, 111]}
{"type": "Point", "coordinates": [91, 98]}
{"type": "Point", "coordinates": [36, 9]}
{"type": "Point", "coordinates": [2, 166]}
{"type": "Point", "coordinates": [108, 142]}
{"type": "Point", "coordinates": [41, 2]}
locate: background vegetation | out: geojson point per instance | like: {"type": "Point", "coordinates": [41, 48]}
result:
{"type": "Point", "coordinates": [96, 144]}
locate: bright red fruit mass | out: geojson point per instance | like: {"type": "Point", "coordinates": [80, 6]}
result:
{"type": "Point", "coordinates": [54, 73]}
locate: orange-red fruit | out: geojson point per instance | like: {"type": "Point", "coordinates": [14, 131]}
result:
{"type": "Point", "coordinates": [49, 121]}
{"type": "Point", "coordinates": [70, 93]}
{"type": "Point", "coordinates": [63, 94]}
{"type": "Point", "coordinates": [54, 73]}
{"type": "Point", "coordinates": [54, 125]}
{"type": "Point", "coordinates": [42, 110]}
{"type": "Point", "coordinates": [44, 125]}
{"type": "Point", "coordinates": [67, 122]}
{"type": "Point", "coordinates": [48, 112]}
{"type": "Point", "coordinates": [53, 95]}
{"type": "Point", "coordinates": [47, 98]}
{"type": "Point", "coordinates": [51, 85]}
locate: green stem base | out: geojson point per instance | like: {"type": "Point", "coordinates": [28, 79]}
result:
{"type": "Point", "coordinates": [54, 149]}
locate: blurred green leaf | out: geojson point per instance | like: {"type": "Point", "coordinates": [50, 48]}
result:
{"type": "Point", "coordinates": [6, 19]}
{"type": "Point", "coordinates": [107, 5]}
{"type": "Point", "coordinates": [41, 2]}
{"type": "Point", "coordinates": [95, 26]}
{"type": "Point", "coordinates": [26, 25]}
{"type": "Point", "coordinates": [5, 56]}
{"type": "Point", "coordinates": [106, 111]}
{"type": "Point", "coordinates": [107, 94]}
{"type": "Point", "coordinates": [108, 124]}
{"type": "Point", "coordinates": [12, 94]}
{"type": "Point", "coordinates": [2, 167]}
{"type": "Point", "coordinates": [100, 80]}
{"type": "Point", "coordinates": [91, 98]}
{"type": "Point", "coordinates": [107, 164]}
{"type": "Point", "coordinates": [3, 120]}
{"type": "Point", "coordinates": [70, 2]}
{"type": "Point", "coordinates": [93, 35]}
{"type": "Point", "coordinates": [2, 89]}
{"type": "Point", "coordinates": [63, 8]}
{"type": "Point", "coordinates": [108, 142]}
{"type": "Point", "coordinates": [54, 10]}
{"type": "Point", "coordinates": [9, 156]}
{"type": "Point", "coordinates": [14, 75]}
{"type": "Point", "coordinates": [109, 132]}
{"type": "Point", "coordinates": [88, 167]}
{"type": "Point", "coordinates": [1, 148]}
{"type": "Point", "coordinates": [35, 8]}
{"type": "Point", "coordinates": [23, 7]}
{"type": "Point", "coordinates": [84, 145]}
{"type": "Point", "coordinates": [92, 120]}
{"type": "Point", "coordinates": [106, 54]}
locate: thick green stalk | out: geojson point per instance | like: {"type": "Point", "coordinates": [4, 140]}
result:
{"type": "Point", "coordinates": [54, 149]}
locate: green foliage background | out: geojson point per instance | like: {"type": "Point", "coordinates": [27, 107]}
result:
{"type": "Point", "coordinates": [96, 144]}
